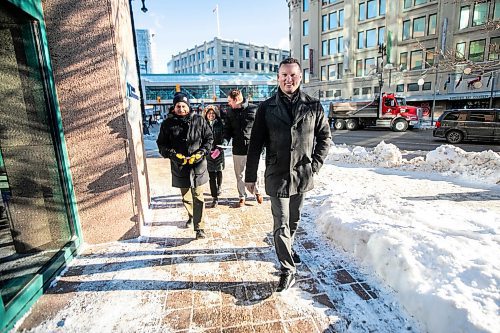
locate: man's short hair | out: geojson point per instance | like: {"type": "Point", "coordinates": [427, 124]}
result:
{"type": "Point", "coordinates": [290, 60]}
{"type": "Point", "coordinates": [235, 94]}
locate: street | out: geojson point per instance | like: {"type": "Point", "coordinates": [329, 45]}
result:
{"type": "Point", "coordinates": [412, 140]}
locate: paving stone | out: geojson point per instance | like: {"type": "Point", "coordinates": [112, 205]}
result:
{"type": "Point", "coordinates": [178, 319]}
{"type": "Point", "coordinates": [273, 327]}
{"type": "Point", "coordinates": [343, 277]}
{"type": "Point", "coordinates": [301, 326]}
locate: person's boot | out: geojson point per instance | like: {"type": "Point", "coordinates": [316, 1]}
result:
{"type": "Point", "coordinates": [215, 202]}
{"type": "Point", "coordinates": [241, 203]}
{"type": "Point", "coordinates": [200, 234]}
{"type": "Point", "coordinates": [189, 223]}
{"type": "Point", "coordinates": [286, 281]}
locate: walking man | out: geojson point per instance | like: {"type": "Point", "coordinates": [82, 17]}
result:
{"type": "Point", "coordinates": [293, 128]}
{"type": "Point", "coordinates": [239, 121]}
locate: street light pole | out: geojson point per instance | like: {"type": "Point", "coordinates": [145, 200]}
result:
{"type": "Point", "coordinates": [491, 90]}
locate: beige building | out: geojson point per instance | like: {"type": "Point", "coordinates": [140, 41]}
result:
{"type": "Point", "coordinates": [444, 52]}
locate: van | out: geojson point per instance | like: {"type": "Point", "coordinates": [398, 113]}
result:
{"type": "Point", "coordinates": [468, 124]}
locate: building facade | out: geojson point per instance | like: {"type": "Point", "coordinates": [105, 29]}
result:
{"type": "Point", "coordinates": [222, 56]}
{"type": "Point", "coordinates": [433, 52]}
{"type": "Point", "coordinates": [144, 40]}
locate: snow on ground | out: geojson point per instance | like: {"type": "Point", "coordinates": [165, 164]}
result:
{"type": "Point", "coordinates": [427, 227]}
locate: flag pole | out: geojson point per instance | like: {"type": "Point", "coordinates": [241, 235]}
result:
{"type": "Point", "coordinates": [218, 25]}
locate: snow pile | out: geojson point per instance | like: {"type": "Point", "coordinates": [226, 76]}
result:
{"type": "Point", "coordinates": [446, 159]}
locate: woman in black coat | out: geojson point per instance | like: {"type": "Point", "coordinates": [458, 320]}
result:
{"type": "Point", "coordinates": [216, 157]}
{"type": "Point", "coordinates": [185, 138]}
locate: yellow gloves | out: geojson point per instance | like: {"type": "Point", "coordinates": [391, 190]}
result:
{"type": "Point", "coordinates": [181, 159]}
{"type": "Point", "coordinates": [195, 158]}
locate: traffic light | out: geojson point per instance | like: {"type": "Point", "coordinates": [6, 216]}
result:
{"type": "Point", "coordinates": [214, 98]}
{"type": "Point", "coordinates": [158, 99]}
{"type": "Point", "coordinates": [177, 87]}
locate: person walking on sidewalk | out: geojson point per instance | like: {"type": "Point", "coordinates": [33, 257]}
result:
{"type": "Point", "coordinates": [293, 128]}
{"type": "Point", "coordinates": [216, 157]}
{"type": "Point", "coordinates": [185, 138]}
{"type": "Point", "coordinates": [239, 121]}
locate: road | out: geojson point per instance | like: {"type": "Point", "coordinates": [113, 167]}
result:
{"type": "Point", "coordinates": [412, 140]}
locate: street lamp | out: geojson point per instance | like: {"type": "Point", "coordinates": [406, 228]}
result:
{"type": "Point", "coordinates": [146, 64]}
{"type": "Point", "coordinates": [390, 67]}
{"type": "Point", "coordinates": [144, 9]}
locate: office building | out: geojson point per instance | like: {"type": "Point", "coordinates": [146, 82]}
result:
{"type": "Point", "coordinates": [144, 40]}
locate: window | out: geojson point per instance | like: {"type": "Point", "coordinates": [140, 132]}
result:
{"type": "Point", "coordinates": [305, 52]}
{"type": "Point", "coordinates": [231, 63]}
{"type": "Point", "coordinates": [247, 53]}
{"type": "Point", "coordinates": [323, 73]}
{"type": "Point", "coordinates": [496, 11]}
{"type": "Point", "coordinates": [371, 38]}
{"type": "Point", "coordinates": [431, 27]}
{"type": "Point", "coordinates": [329, 93]}
{"type": "Point", "coordinates": [240, 53]}
{"type": "Point", "coordinates": [366, 90]}
{"type": "Point", "coordinates": [262, 55]}
{"type": "Point", "coordinates": [371, 9]}
{"type": "Point", "coordinates": [324, 23]}
{"type": "Point", "coordinates": [418, 27]}
{"type": "Point", "coordinates": [403, 61]}
{"type": "Point", "coordinates": [262, 66]}
{"type": "Point", "coordinates": [341, 17]}
{"type": "Point", "coordinates": [305, 5]}
{"type": "Point", "coordinates": [338, 93]}
{"type": "Point", "coordinates": [340, 48]}
{"type": "Point", "coordinates": [241, 64]}
{"type": "Point", "coordinates": [324, 48]}
{"type": "Point", "coordinates": [331, 73]}
{"type": "Point", "coordinates": [361, 41]}
{"type": "Point", "coordinates": [408, 3]}
{"type": "Point", "coordinates": [420, 2]}
{"type": "Point", "coordinates": [464, 17]}
{"type": "Point", "coordinates": [224, 50]}
{"type": "Point", "coordinates": [305, 75]}
{"type": "Point", "coordinates": [483, 116]}
{"type": "Point", "coordinates": [480, 15]}
{"type": "Point", "coordinates": [381, 35]}
{"type": "Point", "coordinates": [359, 68]}
{"type": "Point", "coordinates": [256, 54]}
{"type": "Point", "coordinates": [305, 28]}
{"type": "Point", "coordinates": [426, 86]}
{"type": "Point", "coordinates": [332, 46]}
{"type": "Point", "coordinates": [412, 87]}
{"type": "Point", "coordinates": [362, 11]}
{"type": "Point", "coordinates": [369, 66]}
{"type": "Point", "coordinates": [340, 70]}
{"type": "Point", "coordinates": [248, 65]}
{"type": "Point", "coordinates": [460, 51]}
{"type": "Point", "coordinates": [406, 29]}
{"type": "Point", "coordinates": [333, 20]}
{"type": "Point", "coordinates": [231, 51]}
{"type": "Point", "coordinates": [355, 91]}
{"type": "Point", "coordinates": [494, 49]}
{"type": "Point", "coordinates": [381, 7]}
{"type": "Point", "coordinates": [416, 60]}
{"type": "Point", "coordinates": [476, 50]}
{"type": "Point", "coordinates": [400, 88]}
{"type": "Point", "coordinates": [429, 58]}
{"type": "Point", "coordinates": [256, 67]}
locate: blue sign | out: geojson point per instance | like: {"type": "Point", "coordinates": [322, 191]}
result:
{"type": "Point", "coordinates": [131, 91]}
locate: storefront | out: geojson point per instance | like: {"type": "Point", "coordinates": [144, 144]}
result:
{"type": "Point", "coordinates": [39, 227]}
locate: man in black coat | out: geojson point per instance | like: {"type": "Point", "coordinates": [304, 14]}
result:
{"type": "Point", "coordinates": [185, 138]}
{"type": "Point", "coordinates": [238, 126]}
{"type": "Point", "coordinates": [293, 128]}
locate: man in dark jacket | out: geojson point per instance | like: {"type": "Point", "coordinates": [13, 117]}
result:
{"type": "Point", "coordinates": [293, 128]}
{"type": "Point", "coordinates": [185, 138]}
{"type": "Point", "coordinates": [238, 126]}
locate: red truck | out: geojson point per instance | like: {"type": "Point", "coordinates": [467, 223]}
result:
{"type": "Point", "coordinates": [388, 111]}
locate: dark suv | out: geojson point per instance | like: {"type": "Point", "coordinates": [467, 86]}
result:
{"type": "Point", "coordinates": [469, 124]}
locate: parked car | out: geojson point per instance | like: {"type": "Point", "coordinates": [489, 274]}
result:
{"type": "Point", "coordinates": [468, 124]}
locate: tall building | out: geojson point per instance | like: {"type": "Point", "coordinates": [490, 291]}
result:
{"type": "Point", "coordinates": [144, 50]}
{"type": "Point", "coordinates": [441, 52]}
{"type": "Point", "coordinates": [222, 56]}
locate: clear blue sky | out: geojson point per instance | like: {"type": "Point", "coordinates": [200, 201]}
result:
{"type": "Point", "coordinates": [179, 25]}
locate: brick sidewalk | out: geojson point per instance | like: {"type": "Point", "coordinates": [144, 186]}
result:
{"type": "Point", "coordinates": [167, 281]}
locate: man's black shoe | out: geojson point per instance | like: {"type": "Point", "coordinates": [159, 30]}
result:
{"type": "Point", "coordinates": [296, 259]}
{"type": "Point", "coordinates": [200, 234]}
{"type": "Point", "coordinates": [189, 223]}
{"type": "Point", "coordinates": [286, 281]}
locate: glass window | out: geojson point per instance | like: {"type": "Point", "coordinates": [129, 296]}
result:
{"type": "Point", "coordinates": [366, 90]}
{"type": "Point", "coordinates": [371, 38]}
{"type": "Point", "coordinates": [431, 27]}
{"type": "Point", "coordinates": [369, 66]}
{"type": "Point", "coordinates": [429, 58]}
{"type": "Point", "coordinates": [247, 53]}
{"type": "Point", "coordinates": [480, 15]}
{"type": "Point", "coordinates": [305, 5]}
{"type": "Point", "coordinates": [340, 70]}
{"type": "Point", "coordinates": [419, 27]}
{"type": "Point", "coordinates": [332, 46]}
{"type": "Point", "coordinates": [224, 63]}
{"type": "Point", "coordinates": [331, 73]}
{"type": "Point", "coordinates": [231, 51]}
{"type": "Point", "coordinates": [241, 64]}
{"type": "Point", "coordinates": [324, 48]}
{"type": "Point", "coordinates": [361, 41]}
{"type": "Point", "coordinates": [305, 28]}
{"type": "Point", "coordinates": [359, 68]}
{"type": "Point", "coordinates": [340, 49]}
{"type": "Point", "coordinates": [333, 20]}
{"type": "Point", "coordinates": [496, 11]}
{"type": "Point", "coordinates": [406, 29]}
{"type": "Point", "coordinates": [371, 9]}
{"type": "Point", "coordinates": [476, 50]}
{"type": "Point", "coordinates": [420, 2]}
{"type": "Point", "coordinates": [403, 61]}
{"type": "Point", "coordinates": [464, 17]}
{"type": "Point", "coordinates": [494, 49]}
{"type": "Point", "coordinates": [381, 35]}
{"type": "Point", "coordinates": [324, 23]}
{"type": "Point", "coordinates": [381, 8]}
{"type": "Point", "coordinates": [338, 93]}
{"type": "Point", "coordinates": [305, 52]}
{"type": "Point", "coordinates": [256, 67]}
{"type": "Point", "coordinates": [426, 86]}
{"type": "Point", "coordinates": [362, 11]}
{"type": "Point", "coordinates": [323, 73]}
{"type": "Point", "coordinates": [416, 60]}
{"type": "Point", "coordinates": [408, 3]}
{"type": "Point", "coordinates": [231, 63]}
{"type": "Point", "coordinates": [400, 88]}
{"type": "Point", "coordinates": [306, 75]}
{"type": "Point", "coordinates": [355, 91]}
{"type": "Point", "coordinates": [248, 65]}
{"type": "Point", "coordinates": [224, 51]}
{"type": "Point", "coordinates": [412, 87]}
{"type": "Point", "coordinates": [341, 17]}
{"type": "Point", "coordinates": [460, 51]}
